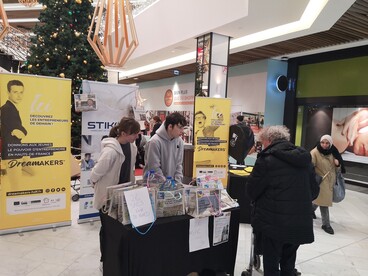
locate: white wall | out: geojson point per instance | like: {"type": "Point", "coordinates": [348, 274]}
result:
{"type": "Point", "coordinates": [246, 87]}
{"type": "Point", "coordinates": [182, 88]}
{"type": "Point", "coordinates": [248, 92]}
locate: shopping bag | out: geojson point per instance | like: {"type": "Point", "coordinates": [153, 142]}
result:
{"type": "Point", "coordinates": [339, 188]}
{"type": "Point", "coordinates": [170, 203]}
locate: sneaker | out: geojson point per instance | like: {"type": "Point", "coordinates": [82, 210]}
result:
{"type": "Point", "coordinates": [328, 229]}
{"type": "Point", "coordinates": [296, 272]}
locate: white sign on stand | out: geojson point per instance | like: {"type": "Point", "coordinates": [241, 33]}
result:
{"type": "Point", "coordinates": [198, 234]}
{"type": "Point", "coordinates": [139, 206]}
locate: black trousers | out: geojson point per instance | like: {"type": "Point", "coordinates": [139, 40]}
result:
{"type": "Point", "coordinates": [101, 238]}
{"type": "Point", "coordinates": [278, 257]}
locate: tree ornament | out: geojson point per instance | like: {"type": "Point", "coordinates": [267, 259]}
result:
{"type": "Point", "coordinates": [62, 75]}
{"type": "Point", "coordinates": [78, 1]}
{"type": "Point", "coordinates": [30, 66]}
{"type": "Point", "coordinates": [70, 13]}
{"type": "Point", "coordinates": [54, 35]}
{"type": "Point", "coordinates": [47, 59]}
{"type": "Point", "coordinates": [77, 34]}
{"type": "Point", "coordinates": [68, 57]}
{"type": "Point", "coordinates": [65, 1]}
{"type": "Point", "coordinates": [85, 61]}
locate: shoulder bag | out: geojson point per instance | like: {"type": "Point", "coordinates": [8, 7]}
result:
{"type": "Point", "coordinates": [339, 188]}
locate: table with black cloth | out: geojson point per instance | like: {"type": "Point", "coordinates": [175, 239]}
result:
{"type": "Point", "coordinates": [236, 187]}
{"type": "Point", "coordinates": [164, 249]}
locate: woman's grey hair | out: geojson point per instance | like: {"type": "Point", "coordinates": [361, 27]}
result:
{"type": "Point", "coordinates": [272, 133]}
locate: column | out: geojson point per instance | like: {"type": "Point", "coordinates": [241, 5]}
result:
{"type": "Point", "coordinates": [212, 65]}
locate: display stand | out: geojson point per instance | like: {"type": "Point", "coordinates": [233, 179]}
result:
{"type": "Point", "coordinates": [164, 250]}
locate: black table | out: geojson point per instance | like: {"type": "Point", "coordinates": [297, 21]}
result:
{"type": "Point", "coordinates": [164, 250]}
{"type": "Point", "coordinates": [236, 188]}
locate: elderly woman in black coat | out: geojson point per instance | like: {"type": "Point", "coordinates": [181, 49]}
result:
{"type": "Point", "coordinates": [282, 185]}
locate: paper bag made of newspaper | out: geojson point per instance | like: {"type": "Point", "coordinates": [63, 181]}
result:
{"type": "Point", "coordinates": [170, 203]}
{"type": "Point", "coordinates": [209, 181]}
{"type": "Point", "coordinates": [111, 204]}
{"type": "Point", "coordinates": [203, 202]}
{"type": "Point", "coordinates": [119, 209]}
{"type": "Point", "coordinates": [123, 211]}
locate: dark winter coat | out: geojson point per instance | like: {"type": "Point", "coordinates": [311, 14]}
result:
{"type": "Point", "coordinates": [283, 186]}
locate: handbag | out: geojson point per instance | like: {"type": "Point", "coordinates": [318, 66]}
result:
{"type": "Point", "coordinates": [339, 188]}
{"type": "Point", "coordinates": [319, 178]}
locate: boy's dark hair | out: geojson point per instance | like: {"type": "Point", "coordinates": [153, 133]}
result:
{"type": "Point", "coordinates": [127, 125]}
{"type": "Point", "coordinates": [175, 119]}
{"type": "Point", "coordinates": [240, 118]}
{"type": "Point", "coordinates": [87, 154]}
{"type": "Point", "coordinates": [14, 82]}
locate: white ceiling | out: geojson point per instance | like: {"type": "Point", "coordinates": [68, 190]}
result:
{"type": "Point", "coordinates": [169, 28]}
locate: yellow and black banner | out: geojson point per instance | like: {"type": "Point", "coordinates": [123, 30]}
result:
{"type": "Point", "coordinates": [211, 135]}
{"type": "Point", "coordinates": [35, 152]}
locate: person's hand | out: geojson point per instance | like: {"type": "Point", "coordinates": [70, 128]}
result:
{"type": "Point", "coordinates": [18, 133]}
{"type": "Point", "coordinates": [353, 123]}
{"type": "Point", "coordinates": [337, 163]}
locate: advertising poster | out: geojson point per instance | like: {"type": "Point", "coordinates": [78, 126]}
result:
{"type": "Point", "coordinates": [349, 132]}
{"type": "Point", "coordinates": [113, 101]}
{"type": "Point", "coordinates": [35, 152]}
{"type": "Point", "coordinates": [211, 135]}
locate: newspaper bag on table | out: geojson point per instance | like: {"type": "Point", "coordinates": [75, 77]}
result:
{"type": "Point", "coordinates": [118, 207]}
{"type": "Point", "coordinates": [203, 202]}
{"type": "Point", "coordinates": [170, 199]}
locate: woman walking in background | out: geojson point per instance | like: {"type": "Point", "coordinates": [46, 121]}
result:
{"type": "Point", "coordinates": [156, 125]}
{"type": "Point", "coordinates": [326, 158]}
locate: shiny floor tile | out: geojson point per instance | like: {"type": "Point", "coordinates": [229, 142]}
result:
{"type": "Point", "coordinates": [74, 250]}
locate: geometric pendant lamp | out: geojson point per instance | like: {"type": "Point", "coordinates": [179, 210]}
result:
{"type": "Point", "coordinates": [4, 24]}
{"type": "Point", "coordinates": [112, 32]}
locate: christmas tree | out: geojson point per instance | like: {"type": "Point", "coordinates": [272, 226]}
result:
{"type": "Point", "coordinates": [60, 49]}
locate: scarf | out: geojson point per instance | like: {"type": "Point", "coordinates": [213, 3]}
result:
{"type": "Point", "coordinates": [335, 152]}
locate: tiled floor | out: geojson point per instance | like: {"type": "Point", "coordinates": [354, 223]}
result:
{"type": "Point", "coordinates": [74, 250]}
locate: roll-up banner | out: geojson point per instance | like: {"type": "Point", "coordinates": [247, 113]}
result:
{"type": "Point", "coordinates": [35, 152]}
{"type": "Point", "coordinates": [211, 135]}
{"type": "Point", "coordinates": [111, 103]}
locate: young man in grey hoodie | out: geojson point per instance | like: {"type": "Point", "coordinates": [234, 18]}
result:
{"type": "Point", "coordinates": [165, 150]}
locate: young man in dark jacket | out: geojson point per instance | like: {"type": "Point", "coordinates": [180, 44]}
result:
{"type": "Point", "coordinates": [282, 185]}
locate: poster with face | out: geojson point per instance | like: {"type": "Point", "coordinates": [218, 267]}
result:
{"type": "Point", "coordinates": [349, 131]}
